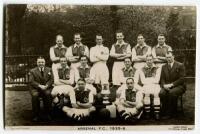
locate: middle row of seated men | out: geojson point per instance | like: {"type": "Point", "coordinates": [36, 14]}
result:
{"type": "Point", "coordinates": [134, 85]}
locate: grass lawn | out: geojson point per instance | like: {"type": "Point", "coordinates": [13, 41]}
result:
{"type": "Point", "coordinates": [18, 111]}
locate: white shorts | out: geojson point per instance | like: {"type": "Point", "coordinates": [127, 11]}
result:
{"type": "Point", "coordinates": [129, 110]}
{"type": "Point", "coordinates": [61, 89]}
{"type": "Point", "coordinates": [84, 112]}
{"type": "Point", "coordinates": [92, 88]}
{"type": "Point", "coordinates": [117, 67]}
{"type": "Point", "coordinates": [153, 89]}
{"type": "Point", "coordinates": [100, 73]}
{"type": "Point", "coordinates": [119, 90]}
{"type": "Point", "coordinates": [75, 65]}
{"type": "Point", "coordinates": [78, 111]}
{"type": "Point", "coordinates": [55, 65]}
{"type": "Point", "coordinates": [139, 65]}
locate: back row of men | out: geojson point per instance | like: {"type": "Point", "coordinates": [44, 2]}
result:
{"type": "Point", "coordinates": [73, 78]}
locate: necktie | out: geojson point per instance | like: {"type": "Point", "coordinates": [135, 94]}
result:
{"type": "Point", "coordinates": [42, 72]}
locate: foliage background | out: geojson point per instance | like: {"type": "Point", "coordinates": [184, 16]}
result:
{"type": "Point", "coordinates": [31, 29]}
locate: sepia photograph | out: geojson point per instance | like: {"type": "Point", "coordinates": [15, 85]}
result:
{"type": "Point", "coordinates": [99, 67]}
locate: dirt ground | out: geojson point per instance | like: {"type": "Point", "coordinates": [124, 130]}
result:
{"type": "Point", "coordinates": [18, 111]}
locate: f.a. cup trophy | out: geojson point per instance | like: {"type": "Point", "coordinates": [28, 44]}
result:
{"type": "Point", "coordinates": [106, 100]}
{"type": "Point", "coordinates": [106, 94]}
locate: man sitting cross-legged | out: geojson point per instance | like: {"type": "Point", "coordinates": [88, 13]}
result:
{"type": "Point", "coordinates": [82, 99]}
{"type": "Point", "coordinates": [131, 101]}
{"type": "Point", "coordinates": [63, 81]}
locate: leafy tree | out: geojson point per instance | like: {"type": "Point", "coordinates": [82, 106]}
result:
{"type": "Point", "coordinates": [149, 21]}
{"type": "Point", "coordinates": [173, 30]}
{"type": "Point", "coordinates": [14, 16]}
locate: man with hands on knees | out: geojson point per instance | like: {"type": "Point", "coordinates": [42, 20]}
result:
{"type": "Point", "coordinates": [173, 85]}
{"type": "Point", "coordinates": [41, 80]}
{"type": "Point", "coordinates": [150, 77]}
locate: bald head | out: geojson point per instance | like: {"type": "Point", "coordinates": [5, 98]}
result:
{"type": "Point", "coordinates": [59, 40]}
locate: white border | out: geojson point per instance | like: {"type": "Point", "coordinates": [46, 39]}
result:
{"type": "Point", "coordinates": [107, 127]}
{"type": "Point", "coordinates": [109, 2]}
{"type": "Point", "coordinates": [106, 2]}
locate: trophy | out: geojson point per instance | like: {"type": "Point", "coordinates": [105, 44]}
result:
{"type": "Point", "coordinates": [105, 93]}
{"type": "Point", "coordinates": [106, 100]}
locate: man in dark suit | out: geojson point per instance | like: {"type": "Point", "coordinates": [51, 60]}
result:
{"type": "Point", "coordinates": [41, 80]}
{"type": "Point", "coordinates": [173, 85]}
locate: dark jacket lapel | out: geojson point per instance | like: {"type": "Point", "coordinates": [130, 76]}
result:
{"type": "Point", "coordinates": [168, 67]}
{"type": "Point", "coordinates": [167, 71]}
{"type": "Point", "coordinates": [174, 66]}
{"type": "Point", "coordinates": [46, 71]}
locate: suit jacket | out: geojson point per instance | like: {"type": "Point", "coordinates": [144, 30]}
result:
{"type": "Point", "coordinates": [175, 75]}
{"type": "Point", "coordinates": [36, 78]}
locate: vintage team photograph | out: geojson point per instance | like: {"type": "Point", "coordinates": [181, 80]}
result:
{"type": "Point", "coordinates": [78, 66]}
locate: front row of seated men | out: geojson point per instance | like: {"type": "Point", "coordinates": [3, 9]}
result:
{"type": "Point", "coordinates": [74, 91]}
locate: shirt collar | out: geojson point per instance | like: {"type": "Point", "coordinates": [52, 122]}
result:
{"type": "Point", "coordinates": [41, 68]}
{"type": "Point", "coordinates": [171, 64]}
{"type": "Point", "coordinates": [161, 46]}
{"type": "Point", "coordinates": [117, 43]}
{"type": "Point", "coordinates": [99, 45]}
{"type": "Point", "coordinates": [75, 45]}
{"type": "Point", "coordinates": [63, 46]}
{"type": "Point", "coordinates": [144, 45]}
